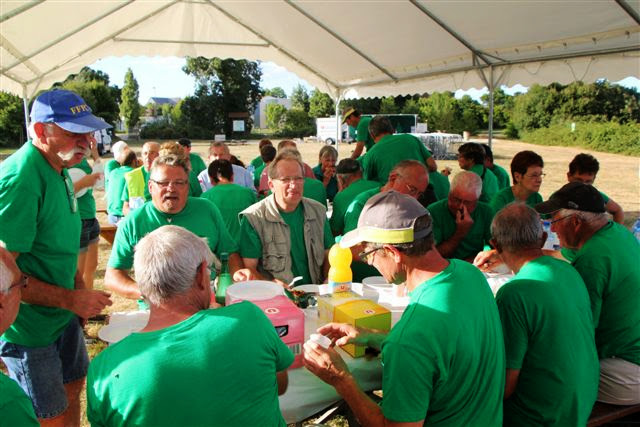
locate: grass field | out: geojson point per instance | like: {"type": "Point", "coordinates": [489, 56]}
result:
{"type": "Point", "coordinates": [619, 178]}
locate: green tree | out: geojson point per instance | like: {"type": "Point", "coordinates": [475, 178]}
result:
{"type": "Point", "coordinates": [300, 98]}
{"type": "Point", "coordinates": [388, 106]}
{"type": "Point", "coordinates": [297, 123]}
{"type": "Point", "coordinates": [234, 83]}
{"type": "Point", "coordinates": [12, 128]}
{"type": "Point", "coordinates": [440, 111]}
{"type": "Point", "coordinates": [321, 104]}
{"type": "Point", "coordinates": [471, 115]}
{"type": "Point", "coordinates": [275, 113]}
{"type": "Point", "coordinates": [276, 92]}
{"type": "Point", "coordinates": [411, 107]}
{"type": "Point", "coordinates": [130, 107]}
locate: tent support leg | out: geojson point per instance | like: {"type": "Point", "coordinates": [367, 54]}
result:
{"type": "Point", "coordinates": [491, 87]}
{"type": "Point", "coordinates": [25, 106]}
{"type": "Point", "coordinates": [338, 121]}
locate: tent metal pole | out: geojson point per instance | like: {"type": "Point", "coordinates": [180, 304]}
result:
{"type": "Point", "coordinates": [338, 121]}
{"type": "Point", "coordinates": [25, 106]}
{"type": "Point", "coordinates": [491, 106]}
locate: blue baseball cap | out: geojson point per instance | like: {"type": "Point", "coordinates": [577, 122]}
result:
{"type": "Point", "coordinates": [67, 110]}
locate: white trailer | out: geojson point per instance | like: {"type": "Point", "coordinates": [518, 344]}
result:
{"type": "Point", "coordinates": [326, 130]}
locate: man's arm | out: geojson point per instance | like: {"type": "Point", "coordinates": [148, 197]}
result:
{"type": "Point", "coordinates": [118, 281]}
{"type": "Point", "coordinates": [358, 151]}
{"type": "Point", "coordinates": [235, 263]}
{"type": "Point", "coordinates": [249, 272]}
{"type": "Point", "coordinates": [85, 303]}
{"type": "Point", "coordinates": [283, 381]}
{"type": "Point", "coordinates": [432, 165]}
{"type": "Point", "coordinates": [615, 210]}
{"type": "Point", "coordinates": [511, 382]}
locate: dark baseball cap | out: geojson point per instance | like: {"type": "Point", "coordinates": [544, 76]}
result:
{"type": "Point", "coordinates": [67, 110]}
{"type": "Point", "coordinates": [576, 196]}
{"type": "Point", "coordinates": [388, 217]}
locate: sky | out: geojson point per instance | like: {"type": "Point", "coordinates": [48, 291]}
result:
{"type": "Point", "coordinates": [163, 77]}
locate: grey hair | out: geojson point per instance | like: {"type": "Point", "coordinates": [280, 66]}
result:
{"type": "Point", "coordinates": [219, 144]}
{"type": "Point", "coordinates": [286, 154]}
{"type": "Point", "coordinates": [403, 166]}
{"type": "Point", "coordinates": [32, 128]}
{"type": "Point", "coordinates": [583, 215]}
{"type": "Point", "coordinates": [166, 262]}
{"type": "Point", "coordinates": [171, 160]}
{"type": "Point", "coordinates": [5, 273]}
{"type": "Point", "coordinates": [516, 227]}
{"type": "Point", "coordinates": [468, 181]}
{"type": "Point", "coordinates": [380, 125]}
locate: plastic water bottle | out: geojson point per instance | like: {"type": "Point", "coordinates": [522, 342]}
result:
{"type": "Point", "coordinates": [224, 279]}
{"type": "Point", "coordinates": [98, 167]}
{"type": "Point", "coordinates": [636, 229]}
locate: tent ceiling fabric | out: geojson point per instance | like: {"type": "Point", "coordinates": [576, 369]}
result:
{"type": "Point", "coordinates": [345, 48]}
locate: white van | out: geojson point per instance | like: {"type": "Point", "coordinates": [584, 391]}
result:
{"type": "Point", "coordinates": [326, 130]}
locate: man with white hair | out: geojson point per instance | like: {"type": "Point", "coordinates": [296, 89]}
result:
{"type": "Point", "coordinates": [170, 204]}
{"type": "Point", "coordinates": [443, 362]}
{"type": "Point", "coordinates": [220, 151]}
{"type": "Point", "coordinates": [552, 364]}
{"type": "Point", "coordinates": [15, 407]}
{"type": "Point", "coordinates": [189, 365]}
{"type": "Point", "coordinates": [606, 255]}
{"type": "Point", "coordinates": [119, 151]}
{"type": "Point", "coordinates": [44, 349]}
{"type": "Point", "coordinates": [461, 223]}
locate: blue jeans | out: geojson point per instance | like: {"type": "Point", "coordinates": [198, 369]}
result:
{"type": "Point", "coordinates": [42, 371]}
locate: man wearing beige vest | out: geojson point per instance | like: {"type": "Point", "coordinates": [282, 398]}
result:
{"type": "Point", "coordinates": [285, 235]}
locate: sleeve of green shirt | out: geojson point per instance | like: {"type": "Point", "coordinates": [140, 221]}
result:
{"type": "Point", "coordinates": [337, 219]}
{"type": "Point", "coordinates": [125, 193]}
{"type": "Point", "coordinates": [250, 243]}
{"type": "Point", "coordinates": [122, 252]}
{"type": "Point", "coordinates": [352, 215]}
{"type": "Point", "coordinates": [596, 281]}
{"type": "Point", "coordinates": [363, 131]}
{"type": "Point", "coordinates": [19, 208]}
{"type": "Point", "coordinates": [513, 327]}
{"type": "Point", "coordinates": [226, 243]}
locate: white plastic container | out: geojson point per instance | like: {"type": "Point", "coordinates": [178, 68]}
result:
{"type": "Point", "coordinates": [98, 167]}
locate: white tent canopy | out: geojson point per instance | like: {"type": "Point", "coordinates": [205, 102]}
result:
{"type": "Point", "coordinates": [345, 48]}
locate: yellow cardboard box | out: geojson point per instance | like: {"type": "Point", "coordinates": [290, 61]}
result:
{"type": "Point", "coordinates": [348, 307]}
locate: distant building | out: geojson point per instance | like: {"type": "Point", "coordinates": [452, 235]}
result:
{"type": "Point", "coordinates": [155, 111]}
{"type": "Point", "coordinates": [259, 115]}
{"type": "Point", "coordinates": [162, 101]}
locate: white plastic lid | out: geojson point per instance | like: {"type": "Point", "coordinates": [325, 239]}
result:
{"type": "Point", "coordinates": [253, 290]}
{"type": "Point", "coordinates": [75, 174]}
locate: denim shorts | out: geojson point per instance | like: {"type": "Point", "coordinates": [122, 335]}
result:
{"type": "Point", "coordinates": [90, 233]}
{"type": "Point", "coordinates": [42, 371]}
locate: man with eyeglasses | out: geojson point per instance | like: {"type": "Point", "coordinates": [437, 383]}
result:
{"type": "Point", "coordinates": [606, 256]}
{"type": "Point", "coordinates": [390, 149]}
{"type": "Point", "coordinates": [189, 366]}
{"type": "Point", "coordinates": [170, 204]}
{"type": "Point", "coordinates": [285, 234]}
{"type": "Point", "coordinates": [44, 348]}
{"type": "Point", "coordinates": [15, 406]}
{"type": "Point", "coordinates": [443, 362]}
{"type": "Point", "coordinates": [461, 222]}
{"type": "Point", "coordinates": [408, 177]}
{"type": "Point", "coordinates": [471, 158]}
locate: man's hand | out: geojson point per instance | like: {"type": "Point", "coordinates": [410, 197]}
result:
{"type": "Point", "coordinates": [326, 364]}
{"type": "Point", "coordinates": [328, 173]}
{"type": "Point", "coordinates": [341, 333]}
{"type": "Point", "coordinates": [464, 222]}
{"type": "Point", "coordinates": [487, 260]}
{"type": "Point", "coordinates": [244, 274]}
{"type": "Point", "coordinates": [87, 303]}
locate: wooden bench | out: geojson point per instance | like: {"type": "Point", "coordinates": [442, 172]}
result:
{"type": "Point", "coordinates": [108, 232]}
{"type": "Point", "coordinates": [603, 413]}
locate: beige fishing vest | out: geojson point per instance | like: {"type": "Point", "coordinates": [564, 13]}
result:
{"type": "Point", "coordinates": [276, 262]}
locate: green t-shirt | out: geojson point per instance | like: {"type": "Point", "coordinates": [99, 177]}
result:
{"type": "Point", "coordinates": [362, 133]}
{"type": "Point", "coordinates": [548, 336]}
{"type": "Point", "coordinates": [39, 219]}
{"type": "Point", "coordinates": [443, 362]}
{"type": "Point", "coordinates": [197, 164]}
{"type": "Point", "coordinates": [444, 225]}
{"type": "Point", "coordinates": [505, 196]}
{"type": "Point", "coordinates": [608, 263]}
{"type": "Point", "coordinates": [604, 197]}
{"type": "Point", "coordinates": [440, 184]}
{"type": "Point", "coordinates": [218, 367]}
{"type": "Point", "coordinates": [257, 173]}
{"type": "Point", "coordinates": [118, 191]}
{"type": "Point", "coordinates": [231, 199]}
{"type": "Point", "coordinates": [251, 245]}
{"type": "Point", "coordinates": [502, 176]}
{"type": "Point", "coordinates": [147, 195]}
{"type": "Point", "coordinates": [343, 199]}
{"type": "Point", "coordinates": [314, 190]}
{"type": "Point", "coordinates": [108, 168]}
{"type": "Point", "coordinates": [15, 406]}
{"type": "Point", "coordinates": [195, 190]}
{"type": "Point", "coordinates": [489, 182]}
{"type": "Point", "coordinates": [355, 208]}
{"type": "Point", "coordinates": [332, 186]}
{"type": "Point", "coordinates": [86, 202]}
{"type": "Point", "coordinates": [199, 216]}
{"type": "Point", "coordinates": [388, 152]}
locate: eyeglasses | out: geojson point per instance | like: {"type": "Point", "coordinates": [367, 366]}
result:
{"type": "Point", "coordinates": [560, 219]}
{"type": "Point", "coordinates": [20, 283]}
{"type": "Point", "coordinates": [413, 191]}
{"type": "Point", "coordinates": [364, 256]}
{"type": "Point", "coordinates": [165, 184]}
{"type": "Point", "coordinates": [287, 180]}
{"type": "Point", "coordinates": [71, 196]}
{"type": "Point", "coordinates": [536, 175]}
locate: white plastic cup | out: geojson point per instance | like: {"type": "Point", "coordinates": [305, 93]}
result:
{"type": "Point", "coordinates": [321, 340]}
